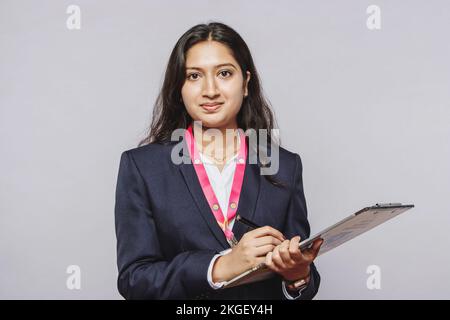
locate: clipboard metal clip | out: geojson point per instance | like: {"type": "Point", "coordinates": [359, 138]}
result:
{"type": "Point", "coordinates": [388, 204]}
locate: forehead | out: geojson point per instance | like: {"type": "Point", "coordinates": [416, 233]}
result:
{"type": "Point", "coordinates": [208, 54]}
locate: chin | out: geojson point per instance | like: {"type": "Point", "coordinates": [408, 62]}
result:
{"type": "Point", "coordinates": [212, 122]}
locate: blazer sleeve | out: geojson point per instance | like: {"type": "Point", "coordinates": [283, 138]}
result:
{"type": "Point", "coordinates": [143, 271]}
{"type": "Point", "coordinates": [297, 224]}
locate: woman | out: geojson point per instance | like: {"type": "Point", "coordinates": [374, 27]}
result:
{"type": "Point", "coordinates": [177, 234]}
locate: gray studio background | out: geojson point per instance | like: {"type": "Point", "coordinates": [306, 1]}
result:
{"type": "Point", "coordinates": [367, 110]}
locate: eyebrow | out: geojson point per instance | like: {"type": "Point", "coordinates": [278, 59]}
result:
{"type": "Point", "coordinates": [216, 67]}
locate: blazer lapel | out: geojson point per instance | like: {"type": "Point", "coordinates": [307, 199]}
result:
{"type": "Point", "coordinates": [247, 199]}
{"type": "Point", "coordinates": [196, 192]}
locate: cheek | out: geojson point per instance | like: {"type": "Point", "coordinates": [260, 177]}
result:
{"type": "Point", "coordinates": [233, 92]}
{"type": "Point", "coordinates": [189, 92]}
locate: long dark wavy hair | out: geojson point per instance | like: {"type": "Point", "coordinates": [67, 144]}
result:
{"type": "Point", "coordinates": [169, 112]}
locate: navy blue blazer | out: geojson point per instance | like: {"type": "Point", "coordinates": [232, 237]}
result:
{"type": "Point", "coordinates": [167, 234]}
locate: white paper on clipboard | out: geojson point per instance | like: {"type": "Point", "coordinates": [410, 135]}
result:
{"type": "Point", "coordinates": [356, 224]}
{"type": "Point", "coordinates": [339, 233]}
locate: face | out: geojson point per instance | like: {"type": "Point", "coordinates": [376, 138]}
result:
{"type": "Point", "coordinates": [214, 88]}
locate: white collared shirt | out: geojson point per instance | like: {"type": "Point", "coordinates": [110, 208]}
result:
{"type": "Point", "coordinates": [221, 181]}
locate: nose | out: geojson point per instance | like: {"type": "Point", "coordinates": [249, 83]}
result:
{"type": "Point", "coordinates": [210, 89]}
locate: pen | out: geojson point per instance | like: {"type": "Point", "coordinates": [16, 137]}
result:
{"type": "Point", "coordinates": [247, 222]}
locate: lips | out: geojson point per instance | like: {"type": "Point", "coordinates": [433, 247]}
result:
{"type": "Point", "coordinates": [211, 106]}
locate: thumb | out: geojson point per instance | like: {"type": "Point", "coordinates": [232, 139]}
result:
{"type": "Point", "coordinates": [316, 246]}
{"type": "Point", "coordinates": [314, 249]}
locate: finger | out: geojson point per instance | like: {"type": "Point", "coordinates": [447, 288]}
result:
{"type": "Point", "coordinates": [312, 252]}
{"type": "Point", "coordinates": [276, 258]}
{"type": "Point", "coordinates": [269, 262]}
{"type": "Point", "coordinates": [263, 250]}
{"type": "Point", "coordinates": [294, 249]}
{"type": "Point", "coordinates": [285, 255]}
{"type": "Point", "coordinates": [259, 260]}
{"type": "Point", "coordinates": [266, 231]}
{"type": "Point", "coordinates": [317, 246]}
{"type": "Point", "coordinates": [257, 242]}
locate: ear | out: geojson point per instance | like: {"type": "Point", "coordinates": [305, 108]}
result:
{"type": "Point", "coordinates": [246, 84]}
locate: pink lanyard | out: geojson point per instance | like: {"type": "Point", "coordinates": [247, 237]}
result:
{"type": "Point", "coordinates": [208, 190]}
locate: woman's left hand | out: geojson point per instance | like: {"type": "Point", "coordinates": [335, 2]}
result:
{"type": "Point", "coordinates": [291, 263]}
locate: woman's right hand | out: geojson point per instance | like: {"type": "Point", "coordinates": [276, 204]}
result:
{"type": "Point", "coordinates": [250, 251]}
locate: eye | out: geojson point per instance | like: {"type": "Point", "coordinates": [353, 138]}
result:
{"type": "Point", "coordinates": [193, 76]}
{"type": "Point", "coordinates": [225, 73]}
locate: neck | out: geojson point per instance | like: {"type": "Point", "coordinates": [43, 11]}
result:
{"type": "Point", "coordinates": [219, 144]}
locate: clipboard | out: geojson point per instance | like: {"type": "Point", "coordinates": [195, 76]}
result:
{"type": "Point", "coordinates": [333, 236]}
